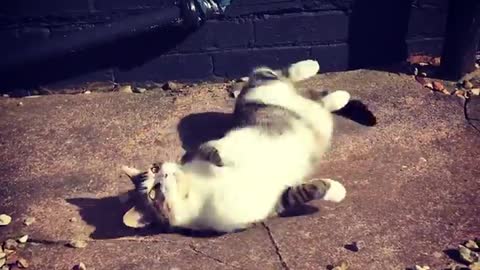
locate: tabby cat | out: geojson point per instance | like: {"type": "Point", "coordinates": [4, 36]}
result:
{"type": "Point", "coordinates": [257, 169]}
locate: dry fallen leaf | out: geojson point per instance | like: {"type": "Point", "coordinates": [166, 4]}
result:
{"type": "Point", "coordinates": [23, 239]}
{"type": "Point", "coordinates": [417, 59]}
{"type": "Point", "coordinates": [77, 244]}
{"type": "Point", "coordinates": [472, 245]}
{"type": "Point", "coordinates": [461, 93]}
{"type": "Point", "coordinates": [3, 259]}
{"type": "Point", "coordinates": [5, 219]}
{"type": "Point", "coordinates": [454, 266]}
{"type": "Point", "coordinates": [126, 89]}
{"type": "Point", "coordinates": [10, 244]}
{"type": "Point", "coordinates": [424, 267]}
{"type": "Point", "coordinates": [28, 221]}
{"type": "Point", "coordinates": [437, 254]}
{"type": "Point", "coordinates": [438, 86]}
{"type": "Point", "coordinates": [22, 263]}
{"type": "Point", "coordinates": [467, 85]}
{"type": "Point", "coordinates": [429, 86]}
{"type": "Point", "coordinates": [80, 266]}
{"type": "Point", "coordinates": [435, 61]}
{"type": "Point", "coordinates": [342, 266]}
{"type": "Point", "coordinates": [474, 266]}
{"type": "Point", "coordinates": [468, 255]}
{"type": "Point", "coordinates": [421, 80]}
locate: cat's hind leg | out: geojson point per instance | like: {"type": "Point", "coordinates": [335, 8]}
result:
{"type": "Point", "coordinates": [298, 195]}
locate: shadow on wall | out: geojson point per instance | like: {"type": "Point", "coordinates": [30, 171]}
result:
{"type": "Point", "coordinates": [122, 54]}
{"type": "Point", "coordinates": [377, 32]}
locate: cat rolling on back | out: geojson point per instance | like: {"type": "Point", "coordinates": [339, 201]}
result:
{"type": "Point", "coordinates": [257, 169]}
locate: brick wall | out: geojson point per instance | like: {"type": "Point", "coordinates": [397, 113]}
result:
{"type": "Point", "coordinates": [341, 34]}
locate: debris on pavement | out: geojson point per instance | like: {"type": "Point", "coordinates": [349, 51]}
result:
{"type": "Point", "coordinates": [87, 92]}
{"type": "Point", "coordinates": [461, 93]}
{"type": "Point", "coordinates": [471, 244]}
{"type": "Point", "coordinates": [468, 255]}
{"type": "Point", "coordinates": [125, 89]}
{"type": "Point", "coordinates": [20, 104]}
{"type": "Point", "coordinates": [10, 244]}
{"type": "Point", "coordinates": [475, 91]}
{"type": "Point", "coordinates": [467, 85]}
{"type": "Point", "coordinates": [437, 254]}
{"type": "Point", "coordinates": [438, 86]}
{"type": "Point", "coordinates": [23, 239]}
{"type": "Point", "coordinates": [355, 246]}
{"type": "Point", "coordinates": [474, 266]}
{"type": "Point", "coordinates": [3, 258]}
{"type": "Point", "coordinates": [28, 221]}
{"type": "Point", "coordinates": [173, 86]}
{"type": "Point", "coordinates": [80, 266]}
{"type": "Point", "coordinates": [5, 219]}
{"type": "Point", "coordinates": [22, 263]}
{"type": "Point", "coordinates": [424, 267]}
{"type": "Point", "coordinates": [235, 89]}
{"type": "Point", "coordinates": [342, 266]}
{"type": "Point", "coordinates": [77, 244]}
{"type": "Point", "coordinates": [139, 90]}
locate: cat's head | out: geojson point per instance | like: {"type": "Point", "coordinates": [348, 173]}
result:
{"type": "Point", "coordinates": [150, 204]}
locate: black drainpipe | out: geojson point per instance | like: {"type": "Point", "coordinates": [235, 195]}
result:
{"type": "Point", "coordinates": [189, 14]}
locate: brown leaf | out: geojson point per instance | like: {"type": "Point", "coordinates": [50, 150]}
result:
{"type": "Point", "coordinates": [77, 244]}
{"type": "Point", "coordinates": [80, 266]}
{"type": "Point", "coordinates": [460, 93]}
{"type": "Point", "coordinates": [467, 85]}
{"type": "Point", "coordinates": [22, 263]}
{"type": "Point", "coordinates": [438, 86]}
{"type": "Point", "coordinates": [435, 61]}
{"type": "Point", "coordinates": [342, 266]}
{"type": "Point", "coordinates": [474, 266]}
{"type": "Point", "coordinates": [417, 59]}
{"type": "Point", "coordinates": [28, 221]}
{"type": "Point", "coordinates": [421, 80]}
{"type": "Point", "coordinates": [12, 258]}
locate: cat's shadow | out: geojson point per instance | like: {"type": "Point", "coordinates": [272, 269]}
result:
{"type": "Point", "coordinates": [197, 128]}
{"type": "Point", "coordinates": [105, 215]}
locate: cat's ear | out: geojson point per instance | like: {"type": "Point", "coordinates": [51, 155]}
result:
{"type": "Point", "coordinates": [336, 100]}
{"type": "Point", "coordinates": [130, 171]}
{"type": "Point", "coordinates": [134, 218]}
{"type": "Point", "coordinates": [302, 70]}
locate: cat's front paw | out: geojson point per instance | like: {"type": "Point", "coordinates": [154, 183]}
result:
{"type": "Point", "coordinates": [210, 153]}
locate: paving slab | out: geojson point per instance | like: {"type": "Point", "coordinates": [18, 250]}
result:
{"type": "Point", "coordinates": [412, 179]}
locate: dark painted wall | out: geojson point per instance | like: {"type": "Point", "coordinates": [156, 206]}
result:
{"type": "Point", "coordinates": [341, 34]}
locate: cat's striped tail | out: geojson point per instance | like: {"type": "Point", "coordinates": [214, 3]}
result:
{"type": "Point", "coordinates": [325, 189]}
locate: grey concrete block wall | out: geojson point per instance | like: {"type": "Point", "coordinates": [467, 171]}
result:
{"type": "Point", "coordinates": [341, 34]}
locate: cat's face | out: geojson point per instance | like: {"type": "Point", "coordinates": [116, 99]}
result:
{"type": "Point", "coordinates": [150, 205]}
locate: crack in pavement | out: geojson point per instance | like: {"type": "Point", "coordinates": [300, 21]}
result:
{"type": "Point", "coordinates": [275, 246]}
{"type": "Point", "coordinates": [201, 253]}
{"type": "Point", "coordinates": [126, 239]}
{"type": "Point", "coordinates": [467, 116]}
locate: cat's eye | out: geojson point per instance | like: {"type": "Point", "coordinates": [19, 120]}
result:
{"type": "Point", "coordinates": [152, 194]}
{"type": "Point", "coordinates": [155, 168]}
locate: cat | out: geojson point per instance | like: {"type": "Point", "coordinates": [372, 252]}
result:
{"type": "Point", "coordinates": [257, 169]}
{"type": "Point", "coordinates": [150, 208]}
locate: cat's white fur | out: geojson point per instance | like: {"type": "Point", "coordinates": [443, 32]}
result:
{"type": "Point", "coordinates": [260, 167]}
